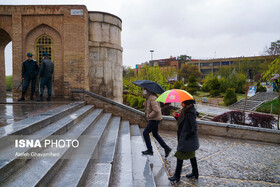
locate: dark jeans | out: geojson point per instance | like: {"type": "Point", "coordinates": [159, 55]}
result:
{"type": "Point", "coordinates": [26, 83]}
{"type": "Point", "coordinates": [46, 81]}
{"type": "Point", "coordinates": [153, 127]}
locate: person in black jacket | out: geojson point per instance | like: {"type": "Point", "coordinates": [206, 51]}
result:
{"type": "Point", "coordinates": [46, 72]}
{"type": "Point", "coordinates": [29, 74]}
{"type": "Point", "coordinates": [188, 141]}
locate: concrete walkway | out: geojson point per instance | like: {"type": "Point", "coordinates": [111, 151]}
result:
{"type": "Point", "coordinates": [211, 110]}
{"type": "Point", "coordinates": [227, 162]}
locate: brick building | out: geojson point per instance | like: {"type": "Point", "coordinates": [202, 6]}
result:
{"type": "Point", "coordinates": [205, 66]}
{"type": "Point", "coordinates": [85, 47]}
{"type": "Point", "coordinates": [213, 65]}
{"type": "Point", "coordinates": [162, 63]}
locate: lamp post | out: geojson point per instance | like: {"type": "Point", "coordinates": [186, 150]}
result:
{"type": "Point", "coordinates": [151, 54]}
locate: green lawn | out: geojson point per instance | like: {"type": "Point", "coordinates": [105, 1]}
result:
{"type": "Point", "coordinates": [9, 83]}
{"type": "Point", "coordinates": [266, 107]}
{"type": "Point", "coordinates": [199, 94]}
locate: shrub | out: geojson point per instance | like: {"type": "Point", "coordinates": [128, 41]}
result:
{"type": "Point", "coordinates": [215, 87]}
{"type": "Point", "coordinates": [169, 87]}
{"type": "Point", "coordinates": [167, 108]}
{"type": "Point", "coordinates": [183, 87]}
{"type": "Point", "coordinates": [221, 118]}
{"type": "Point", "coordinates": [125, 97]}
{"type": "Point", "coordinates": [178, 85]}
{"type": "Point", "coordinates": [140, 102]}
{"type": "Point", "coordinates": [206, 86]}
{"type": "Point", "coordinates": [129, 97]}
{"type": "Point", "coordinates": [260, 88]}
{"type": "Point", "coordinates": [234, 117]}
{"type": "Point", "coordinates": [133, 101]}
{"type": "Point", "coordinates": [225, 84]}
{"type": "Point", "coordinates": [261, 120]}
{"type": "Point", "coordinates": [230, 97]}
{"type": "Point", "coordinates": [192, 85]}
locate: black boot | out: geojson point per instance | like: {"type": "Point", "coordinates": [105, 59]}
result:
{"type": "Point", "coordinates": [177, 175]}
{"type": "Point", "coordinates": [174, 179]}
{"type": "Point", "coordinates": [194, 169]}
{"type": "Point", "coordinates": [49, 98]}
{"type": "Point", "coordinates": [167, 151]}
{"type": "Point", "coordinates": [147, 152]}
{"type": "Point", "coordinates": [40, 98]}
{"type": "Point", "coordinates": [22, 97]}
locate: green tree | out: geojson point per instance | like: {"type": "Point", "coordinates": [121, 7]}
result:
{"type": "Point", "coordinates": [207, 83]}
{"type": "Point", "coordinates": [274, 49]}
{"type": "Point", "coordinates": [128, 72]}
{"type": "Point", "coordinates": [260, 88]}
{"type": "Point", "coordinates": [192, 85]}
{"type": "Point", "coordinates": [230, 97]}
{"type": "Point", "coordinates": [187, 70]}
{"type": "Point", "coordinates": [178, 85]}
{"type": "Point", "coordinates": [273, 68]}
{"type": "Point", "coordinates": [215, 87]}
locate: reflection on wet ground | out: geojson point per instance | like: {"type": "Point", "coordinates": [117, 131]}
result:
{"type": "Point", "coordinates": [12, 111]}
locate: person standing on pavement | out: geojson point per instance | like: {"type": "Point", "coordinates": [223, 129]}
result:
{"type": "Point", "coordinates": [46, 73]}
{"type": "Point", "coordinates": [187, 137]}
{"type": "Point", "coordinates": [29, 74]}
{"type": "Point", "coordinates": [153, 116]}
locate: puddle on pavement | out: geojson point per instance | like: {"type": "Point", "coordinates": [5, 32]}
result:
{"type": "Point", "coordinates": [10, 113]}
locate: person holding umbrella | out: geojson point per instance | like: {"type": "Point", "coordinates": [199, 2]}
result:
{"type": "Point", "coordinates": [187, 135]}
{"type": "Point", "coordinates": [153, 115]}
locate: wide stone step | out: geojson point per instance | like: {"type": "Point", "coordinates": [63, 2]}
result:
{"type": "Point", "coordinates": [40, 171]}
{"type": "Point", "coordinates": [122, 167]}
{"type": "Point", "coordinates": [250, 105]}
{"type": "Point", "coordinates": [75, 170]}
{"type": "Point", "coordinates": [9, 161]}
{"type": "Point", "coordinates": [142, 173]}
{"type": "Point", "coordinates": [36, 122]}
{"type": "Point", "coordinates": [100, 170]}
{"type": "Point", "coordinates": [157, 165]}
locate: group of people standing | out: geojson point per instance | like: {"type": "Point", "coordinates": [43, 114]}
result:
{"type": "Point", "coordinates": [29, 73]}
{"type": "Point", "coordinates": [187, 135]}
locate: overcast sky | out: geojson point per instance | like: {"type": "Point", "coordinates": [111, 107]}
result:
{"type": "Point", "coordinates": [199, 28]}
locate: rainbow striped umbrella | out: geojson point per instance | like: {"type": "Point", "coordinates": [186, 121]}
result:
{"type": "Point", "coordinates": [175, 95]}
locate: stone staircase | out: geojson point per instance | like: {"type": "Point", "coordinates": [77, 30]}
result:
{"type": "Point", "coordinates": [254, 102]}
{"type": "Point", "coordinates": [109, 151]}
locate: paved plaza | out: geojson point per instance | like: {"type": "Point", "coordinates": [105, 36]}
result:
{"type": "Point", "coordinates": [221, 161]}
{"type": "Point", "coordinates": [227, 162]}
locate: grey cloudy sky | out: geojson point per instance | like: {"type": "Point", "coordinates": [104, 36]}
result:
{"type": "Point", "coordinates": [199, 28]}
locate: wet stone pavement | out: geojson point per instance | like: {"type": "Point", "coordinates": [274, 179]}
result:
{"type": "Point", "coordinates": [12, 111]}
{"type": "Point", "coordinates": [227, 162]}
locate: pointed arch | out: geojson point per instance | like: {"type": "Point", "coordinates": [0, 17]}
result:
{"type": "Point", "coordinates": [5, 38]}
{"type": "Point", "coordinates": [45, 34]}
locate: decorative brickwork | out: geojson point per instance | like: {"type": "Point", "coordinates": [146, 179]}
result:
{"type": "Point", "coordinates": [86, 48]}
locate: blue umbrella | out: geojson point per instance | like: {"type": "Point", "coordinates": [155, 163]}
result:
{"type": "Point", "coordinates": [149, 85]}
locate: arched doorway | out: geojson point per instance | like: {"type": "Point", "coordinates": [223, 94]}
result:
{"type": "Point", "coordinates": [44, 38]}
{"type": "Point", "coordinates": [4, 40]}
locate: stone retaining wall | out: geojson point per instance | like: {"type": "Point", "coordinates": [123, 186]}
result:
{"type": "Point", "coordinates": [169, 123]}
